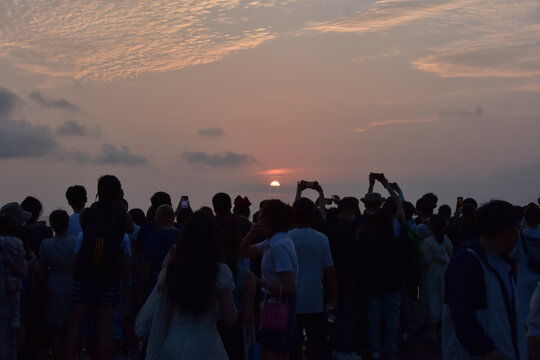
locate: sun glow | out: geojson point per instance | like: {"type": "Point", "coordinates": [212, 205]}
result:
{"type": "Point", "coordinates": [275, 183]}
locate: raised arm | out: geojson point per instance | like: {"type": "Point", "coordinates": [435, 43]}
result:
{"type": "Point", "coordinates": [371, 182]}
{"type": "Point", "coordinates": [300, 186]}
{"type": "Point", "coordinates": [257, 231]}
{"type": "Point", "coordinates": [322, 203]}
{"type": "Point", "coordinates": [395, 197]}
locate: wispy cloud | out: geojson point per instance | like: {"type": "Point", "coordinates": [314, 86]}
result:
{"type": "Point", "coordinates": [47, 102]}
{"type": "Point", "coordinates": [395, 52]}
{"type": "Point", "coordinates": [282, 171]}
{"type": "Point", "coordinates": [393, 122]}
{"type": "Point", "coordinates": [384, 15]}
{"type": "Point", "coordinates": [212, 132]}
{"type": "Point", "coordinates": [478, 112]}
{"type": "Point", "coordinates": [498, 38]}
{"type": "Point", "coordinates": [105, 40]}
{"type": "Point", "coordinates": [227, 159]}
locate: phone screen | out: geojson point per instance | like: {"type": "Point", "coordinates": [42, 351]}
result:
{"type": "Point", "coordinates": [184, 202]}
{"type": "Point", "coordinates": [459, 201]}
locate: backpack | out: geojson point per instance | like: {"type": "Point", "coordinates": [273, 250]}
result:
{"type": "Point", "coordinates": [103, 231]}
{"type": "Point", "coordinates": [531, 263]}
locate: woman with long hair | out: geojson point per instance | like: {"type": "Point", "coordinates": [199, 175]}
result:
{"type": "Point", "coordinates": [194, 287]}
{"type": "Point", "coordinates": [436, 254]}
{"type": "Point", "coordinates": [279, 269]}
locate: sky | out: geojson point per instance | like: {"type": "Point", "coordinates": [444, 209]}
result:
{"type": "Point", "coordinates": [201, 96]}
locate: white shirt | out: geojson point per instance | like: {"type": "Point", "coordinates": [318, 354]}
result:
{"type": "Point", "coordinates": [278, 255]}
{"type": "Point", "coordinates": [313, 251]}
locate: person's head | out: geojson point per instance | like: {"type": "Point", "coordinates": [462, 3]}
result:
{"type": "Point", "coordinates": [206, 210]}
{"type": "Point", "coordinates": [15, 211]}
{"type": "Point", "coordinates": [408, 208]}
{"type": "Point", "coordinates": [424, 208]}
{"type": "Point", "coordinates": [222, 204]}
{"type": "Point", "coordinates": [445, 211]}
{"type": "Point", "coordinates": [437, 224]}
{"type": "Point", "coordinates": [470, 201]}
{"type": "Point", "coordinates": [138, 216]}
{"type": "Point", "coordinates": [532, 216]}
{"type": "Point", "coordinates": [241, 206]}
{"type": "Point", "coordinates": [277, 216]}
{"type": "Point", "coordinates": [59, 221]}
{"type": "Point", "coordinates": [432, 198]}
{"type": "Point", "coordinates": [497, 223]}
{"type": "Point", "coordinates": [348, 208]}
{"type": "Point", "coordinates": [33, 206]}
{"type": "Point", "coordinates": [303, 212]}
{"type": "Point", "coordinates": [109, 189]}
{"type": "Point", "coordinates": [160, 198]}
{"type": "Point", "coordinates": [8, 226]}
{"type": "Point", "coordinates": [164, 216]}
{"type": "Point", "coordinates": [372, 202]}
{"type": "Point", "coordinates": [76, 197]}
{"type": "Point", "coordinates": [191, 275]}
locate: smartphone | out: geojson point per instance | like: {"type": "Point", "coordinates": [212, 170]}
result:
{"type": "Point", "coordinates": [309, 184]}
{"type": "Point", "coordinates": [459, 202]}
{"type": "Point", "coordinates": [328, 201]}
{"type": "Point", "coordinates": [184, 202]}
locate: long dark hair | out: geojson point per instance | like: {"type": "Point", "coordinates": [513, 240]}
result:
{"type": "Point", "coordinates": [437, 225]}
{"type": "Point", "coordinates": [191, 276]}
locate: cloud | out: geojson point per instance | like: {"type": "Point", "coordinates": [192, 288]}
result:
{"type": "Point", "coordinates": [111, 155]}
{"type": "Point", "coordinates": [8, 102]}
{"type": "Point", "coordinates": [384, 15]}
{"type": "Point", "coordinates": [21, 139]}
{"type": "Point", "coordinates": [393, 122]}
{"type": "Point", "coordinates": [511, 48]}
{"type": "Point", "coordinates": [46, 102]}
{"type": "Point", "coordinates": [462, 112]}
{"type": "Point", "coordinates": [75, 128]}
{"type": "Point", "coordinates": [227, 159]}
{"type": "Point", "coordinates": [125, 38]}
{"type": "Point", "coordinates": [211, 132]}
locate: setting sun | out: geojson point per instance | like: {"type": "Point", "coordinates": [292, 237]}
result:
{"type": "Point", "coordinates": [275, 183]}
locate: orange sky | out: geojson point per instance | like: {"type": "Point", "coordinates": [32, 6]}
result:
{"type": "Point", "coordinates": [197, 97]}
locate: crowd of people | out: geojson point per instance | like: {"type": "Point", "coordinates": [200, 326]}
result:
{"type": "Point", "coordinates": [315, 280]}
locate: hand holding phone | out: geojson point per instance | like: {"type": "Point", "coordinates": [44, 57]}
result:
{"type": "Point", "coordinates": [184, 202]}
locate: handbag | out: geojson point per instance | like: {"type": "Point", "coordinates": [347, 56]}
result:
{"type": "Point", "coordinates": [274, 314]}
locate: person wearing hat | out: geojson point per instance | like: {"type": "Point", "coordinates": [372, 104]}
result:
{"type": "Point", "coordinates": [372, 200]}
{"type": "Point", "coordinates": [15, 211]}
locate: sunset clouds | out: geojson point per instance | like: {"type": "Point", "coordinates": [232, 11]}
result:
{"type": "Point", "coordinates": [199, 95]}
